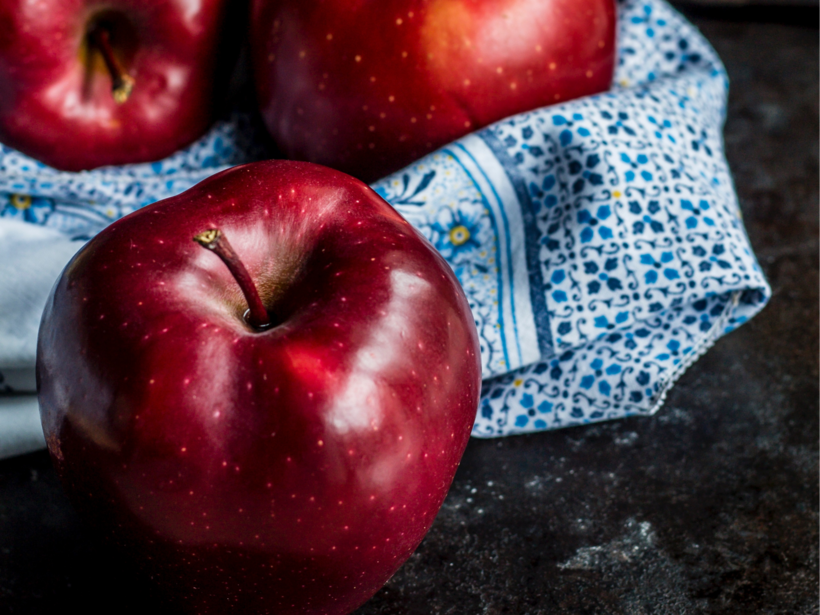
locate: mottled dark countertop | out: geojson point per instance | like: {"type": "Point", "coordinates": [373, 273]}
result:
{"type": "Point", "coordinates": [711, 506]}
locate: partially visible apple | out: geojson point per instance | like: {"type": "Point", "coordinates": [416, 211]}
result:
{"type": "Point", "coordinates": [370, 86]}
{"type": "Point", "coordinates": [88, 83]}
{"type": "Point", "coordinates": [281, 467]}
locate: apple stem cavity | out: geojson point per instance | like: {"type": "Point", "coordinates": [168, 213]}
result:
{"type": "Point", "coordinates": [121, 82]}
{"type": "Point", "coordinates": [214, 240]}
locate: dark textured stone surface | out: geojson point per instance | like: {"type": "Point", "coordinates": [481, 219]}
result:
{"type": "Point", "coordinates": [711, 506]}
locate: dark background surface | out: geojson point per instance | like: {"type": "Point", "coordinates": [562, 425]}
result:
{"type": "Point", "coordinates": [710, 506]}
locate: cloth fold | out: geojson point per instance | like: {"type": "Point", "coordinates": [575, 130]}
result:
{"type": "Point", "coordinates": [599, 241]}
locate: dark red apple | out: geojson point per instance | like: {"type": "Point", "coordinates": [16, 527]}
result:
{"type": "Point", "coordinates": [370, 86]}
{"type": "Point", "coordinates": [87, 83]}
{"type": "Point", "coordinates": [281, 468]}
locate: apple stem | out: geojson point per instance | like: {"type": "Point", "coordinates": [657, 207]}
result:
{"type": "Point", "coordinates": [121, 82]}
{"type": "Point", "coordinates": [213, 239]}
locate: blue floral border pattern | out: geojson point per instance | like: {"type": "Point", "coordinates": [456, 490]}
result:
{"type": "Point", "coordinates": [621, 211]}
{"type": "Point", "coordinates": [599, 242]}
{"type": "Point", "coordinates": [82, 204]}
{"type": "Point", "coordinates": [461, 205]}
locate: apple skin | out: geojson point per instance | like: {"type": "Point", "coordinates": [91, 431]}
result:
{"type": "Point", "coordinates": [55, 94]}
{"type": "Point", "coordinates": [288, 470]}
{"type": "Point", "coordinates": [368, 87]}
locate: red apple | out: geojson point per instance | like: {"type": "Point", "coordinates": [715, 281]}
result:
{"type": "Point", "coordinates": [68, 102]}
{"type": "Point", "coordinates": [369, 87]}
{"type": "Point", "coordinates": [288, 468]}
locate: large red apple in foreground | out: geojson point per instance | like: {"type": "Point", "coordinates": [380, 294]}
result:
{"type": "Point", "coordinates": [87, 83]}
{"type": "Point", "coordinates": [368, 87]}
{"type": "Point", "coordinates": [281, 467]}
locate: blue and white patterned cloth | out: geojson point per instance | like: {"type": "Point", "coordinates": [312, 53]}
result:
{"type": "Point", "coordinates": [599, 241]}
